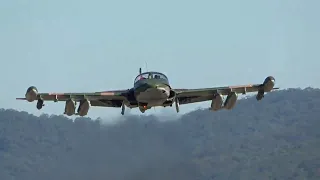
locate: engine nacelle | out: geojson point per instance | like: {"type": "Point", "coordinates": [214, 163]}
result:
{"type": "Point", "coordinates": [216, 103]}
{"type": "Point", "coordinates": [31, 94]}
{"type": "Point", "coordinates": [230, 101]}
{"type": "Point", "coordinates": [268, 84]}
{"type": "Point", "coordinates": [84, 107]}
{"type": "Point", "coordinates": [70, 107]}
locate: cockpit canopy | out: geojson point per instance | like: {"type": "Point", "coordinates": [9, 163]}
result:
{"type": "Point", "coordinates": [150, 75]}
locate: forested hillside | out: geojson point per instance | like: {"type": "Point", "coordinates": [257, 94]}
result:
{"type": "Point", "coordinates": [277, 138]}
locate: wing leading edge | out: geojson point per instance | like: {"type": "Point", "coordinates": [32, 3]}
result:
{"type": "Point", "coordinates": [103, 98]}
{"type": "Point", "coordinates": [187, 96]}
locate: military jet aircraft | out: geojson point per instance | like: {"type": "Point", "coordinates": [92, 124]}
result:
{"type": "Point", "coordinates": [151, 89]}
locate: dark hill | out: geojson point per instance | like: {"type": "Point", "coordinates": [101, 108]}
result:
{"type": "Point", "coordinates": [277, 138]}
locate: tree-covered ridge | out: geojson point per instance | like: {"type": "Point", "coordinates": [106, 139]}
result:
{"type": "Point", "coordinates": [276, 138]}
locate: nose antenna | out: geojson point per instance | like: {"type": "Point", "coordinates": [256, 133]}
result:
{"type": "Point", "coordinates": [140, 71]}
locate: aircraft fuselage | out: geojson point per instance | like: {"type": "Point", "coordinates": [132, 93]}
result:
{"type": "Point", "coordinates": [152, 92]}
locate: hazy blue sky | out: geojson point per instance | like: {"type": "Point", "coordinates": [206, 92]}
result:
{"type": "Point", "coordinates": [65, 46]}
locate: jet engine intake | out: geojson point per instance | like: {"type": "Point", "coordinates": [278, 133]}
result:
{"type": "Point", "coordinates": [268, 84]}
{"type": "Point", "coordinates": [31, 94]}
{"type": "Point", "coordinates": [216, 103]}
{"type": "Point", "coordinates": [230, 101]}
{"type": "Point", "coordinates": [172, 95]}
{"type": "Point", "coordinates": [70, 107]}
{"type": "Point", "coordinates": [84, 107]}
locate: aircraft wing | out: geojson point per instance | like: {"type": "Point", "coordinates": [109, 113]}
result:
{"type": "Point", "coordinates": [103, 98]}
{"type": "Point", "coordinates": [187, 96]}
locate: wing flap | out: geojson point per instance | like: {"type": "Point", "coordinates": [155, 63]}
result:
{"type": "Point", "coordinates": [78, 97]}
{"type": "Point", "coordinates": [92, 96]}
{"type": "Point", "coordinates": [106, 103]}
{"type": "Point", "coordinates": [194, 99]}
{"type": "Point", "coordinates": [241, 89]}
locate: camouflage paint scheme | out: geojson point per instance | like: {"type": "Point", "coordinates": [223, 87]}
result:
{"type": "Point", "coordinates": [148, 92]}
